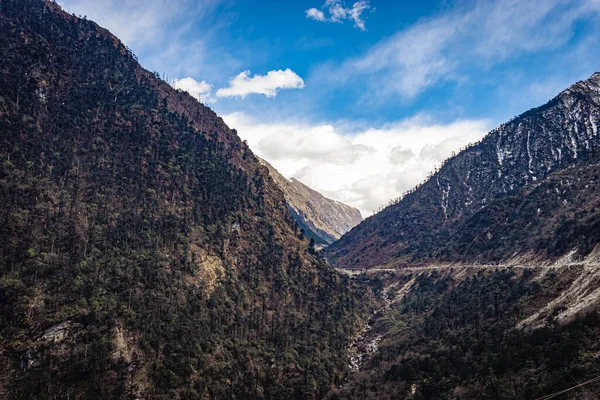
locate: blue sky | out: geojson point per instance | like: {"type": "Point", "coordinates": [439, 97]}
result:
{"type": "Point", "coordinates": [360, 99]}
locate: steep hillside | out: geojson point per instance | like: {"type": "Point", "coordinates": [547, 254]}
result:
{"type": "Point", "coordinates": [522, 191]}
{"type": "Point", "coordinates": [144, 252]}
{"type": "Point", "coordinates": [322, 219]}
{"type": "Point", "coordinates": [484, 333]}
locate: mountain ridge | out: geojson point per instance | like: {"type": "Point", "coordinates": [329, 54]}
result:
{"type": "Point", "coordinates": [324, 220]}
{"type": "Point", "coordinates": [144, 251]}
{"type": "Point", "coordinates": [512, 156]}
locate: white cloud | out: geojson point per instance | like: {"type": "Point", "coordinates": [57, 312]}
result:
{"type": "Point", "coordinates": [339, 13]}
{"type": "Point", "coordinates": [315, 14]}
{"type": "Point", "coordinates": [364, 169]}
{"type": "Point", "coordinates": [202, 91]}
{"type": "Point", "coordinates": [445, 47]}
{"type": "Point", "coordinates": [242, 84]}
{"type": "Point", "coordinates": [320, 143]}
{"type": "Point", "coordinates": [400, 156]}
{"type": "Point", "coordinates": [355, 14]}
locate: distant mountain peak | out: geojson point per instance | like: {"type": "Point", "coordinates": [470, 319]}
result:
{"type": "Point", "coordinates": [322, 219]}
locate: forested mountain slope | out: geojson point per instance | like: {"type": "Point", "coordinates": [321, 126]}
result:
{"type": "Point", "coordinates": [491, 284]}
{"type": "Point", "coordinates": [484, 333]}
{"type": "Point", "coordinates": [144, 252]}
{"type": "Point", "coordinates": [531, 183]}
{"type": "Point", "coordinates": [322, 219]}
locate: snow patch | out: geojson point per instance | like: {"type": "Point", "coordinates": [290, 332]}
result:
{"type": "Point", "coordinates": [529, 152]}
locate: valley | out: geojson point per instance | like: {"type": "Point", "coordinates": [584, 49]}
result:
{"type": "Point", "coordinates": [146, 252]}
{"type": "Point", "coordinates": [537, 300]}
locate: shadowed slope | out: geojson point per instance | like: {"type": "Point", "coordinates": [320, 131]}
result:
{"type": "Point", "coordinates": [144, 252]}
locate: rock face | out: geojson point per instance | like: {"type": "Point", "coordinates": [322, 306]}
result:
{"type": "Point", "coordinates": [144, 251]}
{"type": "Point", "coordinates": [322, 219]}
{"type": "Point", "coordinates": [475, 203]}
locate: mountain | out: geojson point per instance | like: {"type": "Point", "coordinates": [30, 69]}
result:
{"type": "Point", "coordinates": [528, 190]}
{"type": "Point", "coordinates": [144, 251]}
{"type": "Point", "coordinates": [475, 332]}
{"type": "Point", "coordinates": [322, 219]}
{"type": "Point", "coordinates": [491, 280]}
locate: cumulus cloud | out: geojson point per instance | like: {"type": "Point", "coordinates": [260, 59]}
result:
{"type": "Point", "coordinates": [243, 85]}
{"type": "Point", "coordinates": [400, 156]}
{"type": "Point", "coordinates": [365, 169]}
{"type": "Point", "coordinates": [320, 143]}
{"type": "Point", "coordinates": [338, 13]}
{"type": "Point", "coordinates": [200, 90]}
{"type": "Point", "coordinates": [475, 34]}
{"type": "Point", "coordinates": [434, 152]}
{"type": "Point", "coordinates": [315, 14]}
